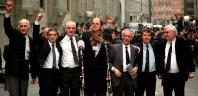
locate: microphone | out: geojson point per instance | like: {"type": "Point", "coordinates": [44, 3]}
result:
{"type": "Point", "coordinates": [81, 44]}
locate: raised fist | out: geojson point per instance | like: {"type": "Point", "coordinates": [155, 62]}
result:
{"type": "Point", "coordinates": [9, 6]}
{"type": "Point", "coordinates": [39, 17]}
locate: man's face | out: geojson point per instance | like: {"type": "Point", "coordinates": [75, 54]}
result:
{"type": "Point", "coordinates": [97, 36]}
{"type": "Point", "coordinates": [44, 33]}
{"type": "Point", "coordinates": [23, 27]}
{"type": "Point", "coordinates": [52, 36]}
{"type": "Point", "coordinates": [169, 35]}
{"type": "Point", "coordinates": [146, 37]}
{"type": "Point", "coordinates": [70, 29]}
{"type": "Point", "coordinates": [126, 37]}
{"type": "Point", "coordinates": [96, 25]}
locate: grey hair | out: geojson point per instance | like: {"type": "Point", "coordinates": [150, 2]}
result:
{"type": "Point", "coordinates": [28, 22]}
{"type": "Point", "coordinates": [172, 28]}
{"type": "Point", "coordinates": [70, 22]}
{"type": "Point", "coordinates": [131, 31]}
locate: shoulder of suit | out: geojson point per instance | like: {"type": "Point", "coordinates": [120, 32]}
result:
{"type": "Point", "coordinates": [138, 44]}
{"type": "Point", "coordinates": [116, 45]}
{"type": "Point", "coordinates": [77, 37]}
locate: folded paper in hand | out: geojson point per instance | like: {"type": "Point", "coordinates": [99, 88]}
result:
{"type": "Point", "coordinates": [129, 68]}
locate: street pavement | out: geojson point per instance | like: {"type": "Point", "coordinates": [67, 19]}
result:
{"type": "Point", "coordinates": [191, 88]}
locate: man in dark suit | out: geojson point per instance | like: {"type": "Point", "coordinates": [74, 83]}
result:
{"type": "Point", "coordinates": [123, 66]}
{"type": "Point", "coordinates": [95, 60]}
{"type": "Point", "coordinates": [177, 66]}
{"type": "Point", "coordinates": [70, 71]}
{"type": "Point", "coordinates": [146, 78]}
{"type": "Point", "coordinates": [21, 49]}
{"type": "Point", "coordinates": [48, 57]}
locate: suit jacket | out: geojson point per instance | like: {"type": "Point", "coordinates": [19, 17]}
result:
{"type": "Point", "coordinates": [43, 47]}
{"type": "Point", "coordinates": [116, 60]}
{"type": "Point", "coordinates": [183, 57]}
{"type": "Point", "coordinates": [16, 64]}
{"type": "Point", "coordinates": [140, 56]}
{"type": "Point", "coordinates": [95, 68]}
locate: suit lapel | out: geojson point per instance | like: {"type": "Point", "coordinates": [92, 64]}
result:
{"type": "Point", "coordinates": [132, 54]}
{"type": "Point", "coordinates": [120, 52]}
{"type": "Point", "coordinates": [177, 50]}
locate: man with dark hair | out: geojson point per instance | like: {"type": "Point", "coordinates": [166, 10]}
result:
{"type": "Point", "coordinates": [48, 57]}
{"type": "Point", "coordinates": [146, 78]}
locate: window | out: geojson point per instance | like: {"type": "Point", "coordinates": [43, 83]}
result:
{"type": "Point", "coordinates": [131, 18]}
{"type": "Point", "coordinates": [68, 5]}
{"type": "Point", "coordinates": [2, 6]}
{"type": "Point", "coordinates": [42, 3]}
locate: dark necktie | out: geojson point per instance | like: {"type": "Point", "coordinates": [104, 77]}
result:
{"type": "Point", "coordinates": [147, 59]}
{"type": "Point", "coordinates": [54, 56]}
{"type": "Point", "coordinates": [74, 51]}
{"type": "Point", "coordinates": [127, 56]}
{"type": "Point", "coordinates": [169, 58]}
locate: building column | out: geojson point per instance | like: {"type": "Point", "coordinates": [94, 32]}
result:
{"type": "Point", "coordinates": [122, 12]}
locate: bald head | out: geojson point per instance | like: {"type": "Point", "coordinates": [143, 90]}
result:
{"type": "Point", "coordinates": [96, 25]}
{"type": "Point", "coordinates": [24, 26]}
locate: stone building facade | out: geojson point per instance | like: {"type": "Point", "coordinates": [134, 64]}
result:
{"type": "Point", "coordinates": [57, 12]}
{"type": "Point", "coordinates": [166, 9]}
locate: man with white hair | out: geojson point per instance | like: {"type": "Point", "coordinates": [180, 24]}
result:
{"type": "Point", "coordinates": [176, 62]}
{"type": "Point", "coordinates": [20, 55]}
{"type": "Point", "coordinates": [70, 71]}
{"type": "Point", "coordinates": [123, 66]}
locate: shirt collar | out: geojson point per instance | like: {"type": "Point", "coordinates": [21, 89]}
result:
{"type": "Point", "coordinates": [144, 45]}
{"type": "Point", "coordinates": [68, 38]}
{"type": "Point", "coordinates": [51, 43]}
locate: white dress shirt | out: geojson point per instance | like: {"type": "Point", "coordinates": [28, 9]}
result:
{"type": "Point", "coordinates": [96, 48]}
{"type": "Point", "coordinates": [173, 64]}
{"type": "Point", "coordinates": [49, 60]}
{"type": "Point", "coordinates": [124, 56]}
{"type": "Point", "coordinates": [27, 47]}
{"type": "Point", "coordinates": [67, 56]}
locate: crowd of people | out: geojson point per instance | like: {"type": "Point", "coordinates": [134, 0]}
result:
{"type": "Point", "coordinates": [89, 60]}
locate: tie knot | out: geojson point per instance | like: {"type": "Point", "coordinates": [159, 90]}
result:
{"type": "Point", "coordinates": [147, 46]}
{"type": "Point", "coordinates": [71, 38]}
{"type": "Point", "coordinates": [53, 44]}
{"type": "Point", "coordinates": [126, 47]}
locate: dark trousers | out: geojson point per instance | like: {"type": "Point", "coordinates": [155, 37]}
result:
{"type": "Point", "coordinates": [17, 86]}
{"type": "Point", "coordinates": [126, 86]}
{"type": "Point", "coordinates": [93, 93]}
{"type": "Point", "coordinates": [70, 81]}
{"type": "Point", "coordinates": [95, 82]}
{"type": "Point", "coordinates": [174, 82]}
{"type": "Point", "coordinates": [48, 82]}
{"type": "Point", "coordinates": [146, 82]}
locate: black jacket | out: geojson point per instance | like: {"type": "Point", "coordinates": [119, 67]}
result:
{"type": "Point", "coordinates": [16, 64]}
{"type": "Point", "coordinates": [183, 57]}
{"type": "Point", "coordinates": [43, 47]}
